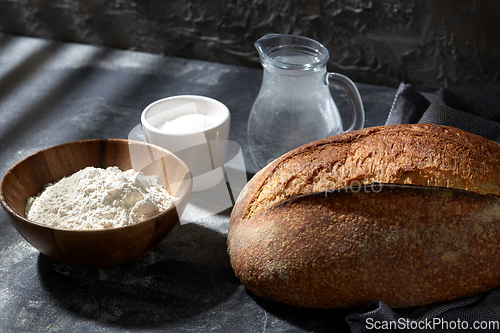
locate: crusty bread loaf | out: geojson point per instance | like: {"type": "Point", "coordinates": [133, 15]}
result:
{"type": "Point", "coordinates": [297, 236]}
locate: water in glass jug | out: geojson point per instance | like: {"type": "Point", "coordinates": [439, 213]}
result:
{"type": "Point", "coordinates": [294, 105]}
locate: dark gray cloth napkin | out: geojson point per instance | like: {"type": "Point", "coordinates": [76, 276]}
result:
{"type": "Point", "coordinates": [474, 109]}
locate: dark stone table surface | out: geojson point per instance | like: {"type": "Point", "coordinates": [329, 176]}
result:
{"type": "Point", "coordinates": [51, 93]}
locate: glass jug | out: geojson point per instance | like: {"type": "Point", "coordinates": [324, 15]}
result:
{"type": "Point", "coordinates": [294, 105]}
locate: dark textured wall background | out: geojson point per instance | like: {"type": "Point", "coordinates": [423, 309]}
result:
{"type": "Point", "coordinates": [427, 43]}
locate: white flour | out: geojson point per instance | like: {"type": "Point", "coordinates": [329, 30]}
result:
{"type": "Point", "coordinates": [95, 198]}
{"type": "Point", "coordinates": [188, 123]}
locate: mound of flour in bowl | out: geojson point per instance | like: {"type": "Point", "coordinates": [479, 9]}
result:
{"type": "Point", "coordinates": [95, 198]}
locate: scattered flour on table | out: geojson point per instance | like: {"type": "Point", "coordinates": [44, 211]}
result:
{"type": "Point", "coordinates": [188, 123]}
{"type": "Point", "coordinates": [95, 198]}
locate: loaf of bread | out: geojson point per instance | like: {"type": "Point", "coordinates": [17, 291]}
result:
{"type": "Point", "coordinates": [407, 214]}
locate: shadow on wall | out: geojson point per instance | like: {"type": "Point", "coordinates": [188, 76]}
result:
{"type": "Point", "coordinates": [426, 43]}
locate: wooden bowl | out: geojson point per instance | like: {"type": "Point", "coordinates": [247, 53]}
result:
{"type": "Point", "coordinates": [95, 248]}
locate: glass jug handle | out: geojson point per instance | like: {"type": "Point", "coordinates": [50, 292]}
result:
{"type": "Point", "coordinates": [352, 92]}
